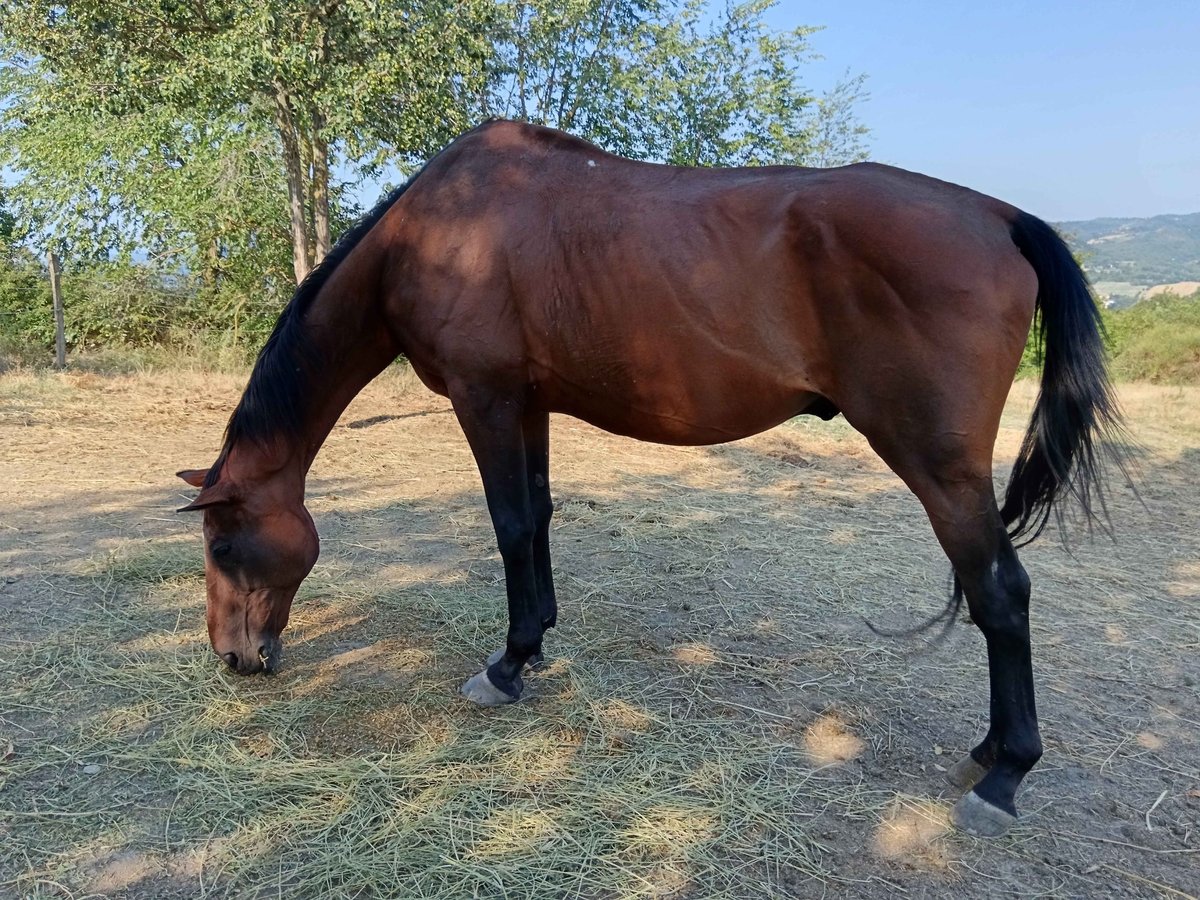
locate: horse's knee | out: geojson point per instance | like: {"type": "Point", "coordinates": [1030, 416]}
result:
{"type": "Point", "coordinates": [1012, 578]}
{"type": "Point", "coordinates": [1000, 618]}
{"type": "Point", "coordinates": [543, 510]}
{"type": "Point", "coordinates": [514, 536]}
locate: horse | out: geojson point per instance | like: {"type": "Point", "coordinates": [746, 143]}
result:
{"type": "Point", "coordinates": [524, 272]}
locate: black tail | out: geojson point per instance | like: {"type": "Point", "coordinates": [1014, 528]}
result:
{"type": "Point", "coordinates": [1076, 409]}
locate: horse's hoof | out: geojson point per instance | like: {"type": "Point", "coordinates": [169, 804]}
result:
{"type": "Point", "coordinates": [534, 662]}
{"type": "Point", "coordinates": [479, 689]}
{"type": "Point", "coordinates": [966, 773]}
{"type": "Point", "coordinates": [976, 816]}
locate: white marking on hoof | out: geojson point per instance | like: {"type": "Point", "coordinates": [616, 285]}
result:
{"type": "Point", "coordinates": [533, 662]}
{"type": "Point", "coordinates": [976, 816]}
{"type": "Point", "coordinates": [479, 689]}
{"type": "Point", "coordinates": [966, 773]}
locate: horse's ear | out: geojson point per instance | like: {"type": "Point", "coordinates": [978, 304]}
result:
{"type": "Point", "coordinates": [194, 477]}
{"type": "Point", "coordinates": [210, 496]}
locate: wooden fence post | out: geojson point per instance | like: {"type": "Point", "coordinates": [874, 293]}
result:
{"type": "Point", "coordinates": [60, 335]}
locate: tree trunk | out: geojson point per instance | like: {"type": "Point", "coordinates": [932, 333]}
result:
{"type": "Point", "coordinates": [306, 166]}
{"type": "Point", "coordinates": [60, 328]}
{"type": "Point", "coordinates": [212, 272]}
{"type": "Point", "coordinates": [320, 168]}
{"type": "Point", "coordinates": [286, 123]}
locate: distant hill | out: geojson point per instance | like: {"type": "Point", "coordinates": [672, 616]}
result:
{"type": "Point", "coordinates": [1125, 256]}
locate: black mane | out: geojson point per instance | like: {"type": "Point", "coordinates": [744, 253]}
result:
{"type": "Point", "coordinates": [275, 400]}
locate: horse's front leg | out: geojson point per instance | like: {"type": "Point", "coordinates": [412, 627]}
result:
{"type": "Point", "coordinates": [492, 422]}
{"type": "Point", "coordinates": [535, 428]}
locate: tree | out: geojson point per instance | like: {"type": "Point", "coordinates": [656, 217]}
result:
{"type": "Point", "coordinates": [197, 85]}
{"type": "Point", "coordinates": [661, 80]}
{"type": "Point", "coordinates": [8, 223]}
{"type": "Point", "coordinates": [207, 133]}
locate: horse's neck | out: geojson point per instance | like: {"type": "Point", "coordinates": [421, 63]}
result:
{"type": "Point", "coordinates": [346, 343]}
{"type": "Point", "coordinates": [353, 343]}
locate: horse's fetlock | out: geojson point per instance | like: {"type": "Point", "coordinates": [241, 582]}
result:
{"type": "Point", "coordinates": [1024, 749]}
{"type": "Point", "coordinates": [523, 642]}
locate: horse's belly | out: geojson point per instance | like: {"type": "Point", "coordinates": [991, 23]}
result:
{"type": "Point", "coordinates": [666, 429]}
{"type": "Point", "coordinates": [698, 372]}
{"type": "Point", "coordinates": [675, 412]}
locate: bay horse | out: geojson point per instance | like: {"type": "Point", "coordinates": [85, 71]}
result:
{"type": "Point", "coordinates": [524, 272]}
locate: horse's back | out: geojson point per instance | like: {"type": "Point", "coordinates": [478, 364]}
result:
{"type": "Point", "coordinates": [696, 305]}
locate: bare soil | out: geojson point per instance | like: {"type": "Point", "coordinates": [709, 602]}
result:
{"type": "Point", "coordinates": [717, 719]}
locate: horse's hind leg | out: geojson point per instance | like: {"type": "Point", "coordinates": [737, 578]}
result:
{"type": "Point", "coordinates": [957, 493]}
{"type": "Point", "coordinates": [997, 591]}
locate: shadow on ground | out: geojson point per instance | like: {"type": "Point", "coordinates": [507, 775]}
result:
{"type": "Point", "coordinates": [717, 720]}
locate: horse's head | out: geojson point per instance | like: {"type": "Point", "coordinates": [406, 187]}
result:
{"type": "Point", "coordinates": [259, 544]}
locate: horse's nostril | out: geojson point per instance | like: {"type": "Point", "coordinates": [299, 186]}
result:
{"type": "Point", "coordinates": [264, 652]}
{"type": "Point", "coordinates": [231, 659]}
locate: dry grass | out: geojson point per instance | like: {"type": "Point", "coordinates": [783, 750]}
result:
{"type": "Point", "coordinates": [716, 720]}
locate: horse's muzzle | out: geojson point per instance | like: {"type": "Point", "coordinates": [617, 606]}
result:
{"type": "Point", "coordinates": [264, 660]}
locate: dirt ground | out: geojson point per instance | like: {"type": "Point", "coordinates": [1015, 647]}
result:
{"type": "Point", "coordinates": [717, 719]}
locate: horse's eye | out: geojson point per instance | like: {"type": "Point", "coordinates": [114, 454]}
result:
{"type": "Point", "coordinates": [220, 548]}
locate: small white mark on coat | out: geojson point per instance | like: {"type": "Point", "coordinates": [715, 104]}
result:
{"type": "Point", "coordinates": [592, 163]}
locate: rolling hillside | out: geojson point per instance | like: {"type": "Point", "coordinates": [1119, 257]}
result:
{"type": "Point", "coordinates": [1126, 256]}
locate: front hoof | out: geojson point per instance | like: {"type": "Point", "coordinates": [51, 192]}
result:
{"type": "Point", "coordinates": [479, 689]}
{"type": "Point", "coordinates": [534, 662]}
{"type": "Point", "coordinates": [976, 816]}
{"type": "Point", "coordinates": [966, 773]}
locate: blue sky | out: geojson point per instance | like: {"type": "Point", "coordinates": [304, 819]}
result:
{"type": "Point", "coordinates": [1068, 110]}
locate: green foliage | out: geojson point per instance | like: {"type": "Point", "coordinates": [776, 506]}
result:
{"type": "Point", "coordinates": [118, 304]}
{"type": "Point", "coordinates": [165, 130]}
{"type": "Point", "coordinates": [669, 81]}
{"type": "Point", "coordinates": [1165, 310]}
{"type": "Point", "coordinates": [728, 93]}
{"type": "Point", "coordinates": [1165, 354]}
{"type": "Point", "coordinates": [169, 130]}
{"type": "Point", "coordinates": [25, 304]}
{"type": "Point", "coordinates": [25, 301]}
{"type": "Point", "coordinates": [1157, 340]}
{"type": "Point", "coordinates": [111, 304]}
{"type": "Point", "coordinates": [209, 138]}
{"type": "Point", "coordinates": [1154, 340]}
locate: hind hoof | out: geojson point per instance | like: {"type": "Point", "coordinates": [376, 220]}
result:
{"type": "Point", "coordinates": [966, 773]}
{"type": "Point", "coordinates": [976, 816]}
{"type": "Point", "coordinates": [534, 662]}
{"type": "Point", "coordinates": [480, 690]}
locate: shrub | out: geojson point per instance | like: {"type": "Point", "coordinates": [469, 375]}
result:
{"type": "Point", "coordinates": [25, 306]}
{"type": "Point", "coordinates": [1153, 340]}
{"type": "Point", "coordinates": [105, 305]}
{"type": "Point", "coordinates": [122, 305]}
